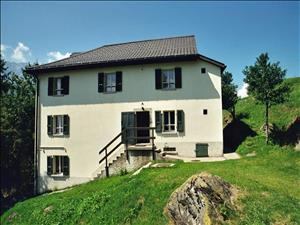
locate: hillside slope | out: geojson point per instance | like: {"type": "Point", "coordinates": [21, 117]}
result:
{"type": "Point", "coordinates": [269, 182]}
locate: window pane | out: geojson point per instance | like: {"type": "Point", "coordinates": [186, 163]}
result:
{"type": "Point", "coordinates": [172, 127]}
{"type": "Point", "coordinates": [165, 85]}
{"type": "Point", "coordinates": [171, 77]}
{"type": "Point", "coordinates": [166, 128]}
{"type": "Point", "coordinates": [166, 118]}
{"type": "Point", "coordinates": [113, 79]}
{"type": "Point", "coordinates": [56, 164]}
{"type": "Point", "coordinates": [171, 85]}
{"type": "Point", "coordinates": [172, 117]}
{"type": "Point", "coordinates": [165, 77]}
{"type": "Point", "coordinates": [58, 86]}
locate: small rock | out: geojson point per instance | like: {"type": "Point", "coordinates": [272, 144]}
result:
{"type": "Point", "coordinates": [48, 209]}
{"type": "Point", "coordinates": [251, 154]}
{"type": "Point", "coordinates": [12, 216]}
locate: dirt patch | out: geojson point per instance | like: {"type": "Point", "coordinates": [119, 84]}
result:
{"type": "Point", "coordinates": [202, 199]}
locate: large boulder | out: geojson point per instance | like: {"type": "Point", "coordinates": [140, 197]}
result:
{"type": "Point", "coordinates": [202, 199]}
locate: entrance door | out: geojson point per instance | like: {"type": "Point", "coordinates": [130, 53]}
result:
{"type": "Point", "coordinates": [143, 120]}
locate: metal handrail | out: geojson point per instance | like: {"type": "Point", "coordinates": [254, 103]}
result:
{"type": "Point", "coordinates": [105, 157]}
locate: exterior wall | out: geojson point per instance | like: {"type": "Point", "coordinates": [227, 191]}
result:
{"type": "Point", "coordinates": [95, 118]}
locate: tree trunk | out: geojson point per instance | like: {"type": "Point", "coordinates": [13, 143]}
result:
{"type": "Point", "coordinates": [267, 122]}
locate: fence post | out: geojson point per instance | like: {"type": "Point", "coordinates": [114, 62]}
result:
{"type": "Point", "coordinates": [106, 164]}
{"type": "Point", "coordinates": [153, 147]}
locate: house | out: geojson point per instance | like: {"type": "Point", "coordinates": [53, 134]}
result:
{"type": "Point", "coordinates": [161, 88]}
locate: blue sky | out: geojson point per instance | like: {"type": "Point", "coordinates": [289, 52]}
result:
{"type": "Point", "coordinates": [234, 33]}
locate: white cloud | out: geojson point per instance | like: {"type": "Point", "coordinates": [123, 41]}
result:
{"type": "Point", "coordinates": [21, 53]}
{"type": "Point", "coordinates": [3, 49]}
{"type": "Point", "coordinates": [243, 92]}
{"type": "Point", "coordinates": [57, 56]}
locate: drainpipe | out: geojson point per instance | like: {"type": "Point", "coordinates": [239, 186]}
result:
{"type": "Point", "coordinates": [35, 164]}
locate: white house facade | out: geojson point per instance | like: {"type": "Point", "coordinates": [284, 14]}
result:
{"type": "Point", "coordinates": [84, 101]}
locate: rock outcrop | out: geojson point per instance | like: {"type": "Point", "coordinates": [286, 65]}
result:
{"type": "Point", "coordinates": [202, 199]}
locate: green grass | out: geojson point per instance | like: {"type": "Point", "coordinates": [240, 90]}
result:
{"type": "Point", "coordinates": [269, 182]}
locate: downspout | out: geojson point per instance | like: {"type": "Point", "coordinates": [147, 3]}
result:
{"type": "Point", "coordinates": [35, 164]}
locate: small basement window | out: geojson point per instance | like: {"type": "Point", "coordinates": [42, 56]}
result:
{"type": "Point", "coordinates": [169, 149]}
{"type": "Point", "coordinates": [204, 111]}
{"type": "Point", "coordinates": [58, 165]}
{"type": "Point", "coordinates": [203, 70]}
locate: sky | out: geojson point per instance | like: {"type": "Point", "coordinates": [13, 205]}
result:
{"type": "Point", "coordinates": [234, 33]}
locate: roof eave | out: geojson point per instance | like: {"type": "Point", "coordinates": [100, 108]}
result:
{"type": "Point", "coordinates": [36, 70]}
{"type": "Point", "coordinates": [212, 61]}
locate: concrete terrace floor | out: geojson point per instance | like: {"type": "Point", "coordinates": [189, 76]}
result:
{"type": "Point", "coordinates": [226, 156]}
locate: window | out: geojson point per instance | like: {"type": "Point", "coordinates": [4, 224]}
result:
{"type": "Point", "coordinates": [204, 111]}
{"type": "Point", "coordinates": [58, 125]}
{"type": "Point", "coordinates": [168, 121]}
{"type": "Point", "coordinates": [58, 165]}
{"type": "Point", "coordinates": [110, 82]}
{"type": "Point", "coordinates": [165, 121]}
{"type": "Point", "coordinates": [58, 86]}
{"type": "Point", "coordinates": [168, 79]}
{"type": "Point", "coordinates": [203, 70]}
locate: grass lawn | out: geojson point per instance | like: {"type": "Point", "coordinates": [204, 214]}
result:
{"type": "Point", "coordinates": [269, 182]}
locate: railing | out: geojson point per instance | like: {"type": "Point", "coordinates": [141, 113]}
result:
{"type": "Point", "coordinates": [126, 137]}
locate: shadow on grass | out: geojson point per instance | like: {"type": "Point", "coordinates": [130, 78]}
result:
{"type": "Point", "coordinates": [235, 133]}
{"type": "Point", "coordinates": [288, 136]}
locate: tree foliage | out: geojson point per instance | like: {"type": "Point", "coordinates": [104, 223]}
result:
{"type": "Point", "coordinates": [266, 85]}
{"type": "Point", "coordinates": [17, 135]}
{"type": "Point", "coordinates": [229, 93]}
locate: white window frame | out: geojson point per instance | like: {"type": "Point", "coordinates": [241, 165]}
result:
{"type": "Point", "coordinates": [169, 124]}
{"type": "Point", "coordinates": [109, 85]}
{"type": "Point", "coordinates": [58, 129]}
{"type": "Point", "coordinates": [170, 85]}
{"type": "Point", "coordinates": [58, 86]}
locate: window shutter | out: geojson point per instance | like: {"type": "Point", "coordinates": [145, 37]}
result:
{"type": "Point", "coordinates": [178, 77]}
{"type": "Point", "coordinates": [65, 85]}
{"type": "Point", "coordinates": [158, 122]}
{"type": "Point", "coordinates": [119, 81]}
{"type": "Point", "coordinates": [50, 86]}
{"type": "Point", "coordinates": [158, 79]}
{"type": "Point", "coordinates": [49, 165]}
{"type": "Point", "coordinates": [180, 121]}
{"type": "Point", "coordinates": [128, 120]}
{"type": "Point", "coordinates": [66, 125]}
{"type": "Point", "coordinates": [50, 125]}
{"type": "Point", "coordinates": [66, 166]}
{"type": "Point", "coordinates": [100, 82]}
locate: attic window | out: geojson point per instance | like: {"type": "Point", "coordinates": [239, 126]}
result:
{"type": "Point", "coordinates": [203, 70]}
{"type": "Point", "coordinates": [204, 111]}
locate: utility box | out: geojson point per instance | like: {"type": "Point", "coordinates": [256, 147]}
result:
{"type": "Point", "coordinates": [201, 150]}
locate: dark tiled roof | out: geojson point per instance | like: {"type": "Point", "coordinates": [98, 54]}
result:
{"type": "Point", "coordinates": [175, 48]}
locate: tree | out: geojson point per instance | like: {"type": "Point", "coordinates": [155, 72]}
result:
{"type": "Point", "coordinates": [229, 93]}
{"type": "Point", "coordinates": [17, 142]}
{"type": "Point", "coordinates": [266, 85]}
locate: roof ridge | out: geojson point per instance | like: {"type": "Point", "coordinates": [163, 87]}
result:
{"type": "Point", "coordinates": [155, 39]}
